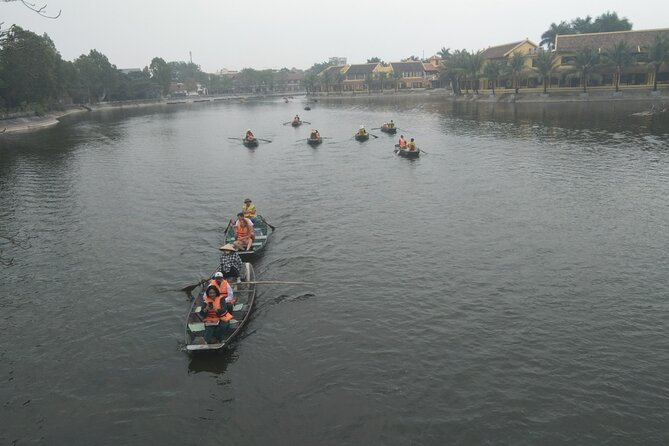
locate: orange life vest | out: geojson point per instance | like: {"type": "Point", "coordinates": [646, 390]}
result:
{"type": "Point", "coordinates": [243, 231]}
{"type": "Point", "coordinates": [212, 318]}
{"type": "Point", "coordinates": [222, 288]}
{"type": "Point", "coordinates": [403, 142]}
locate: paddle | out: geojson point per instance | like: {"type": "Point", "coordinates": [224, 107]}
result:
{"type": "Point", "coordinates": [265, 221]}
{"type": "Point", "coordinates": [307, 122]}
{"type": "Point", "coordinates": [289, 122]}
{"type": "Point", "coordinates": [372, 134]}
{"type": "Point", "coordinates": [190, 288]}
{"type": "Point", "coordinates": [236, 139]}
{"type": "Point", "coordinates": [266, 140]}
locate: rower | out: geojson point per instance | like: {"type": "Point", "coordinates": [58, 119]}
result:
{"type": "Point", "coordinates": [391, 124]}
{"type": "Point", "coordinates": [249, 135]}
{"type": "Point", "coordinates": [362, 131]}
{"type": "Point", "coordinates": [249, 210]}
{"type": "Point", "coordinates": [412, 145]}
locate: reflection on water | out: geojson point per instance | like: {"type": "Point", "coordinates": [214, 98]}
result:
{"type": "Point", "coordinates": [509, 286]}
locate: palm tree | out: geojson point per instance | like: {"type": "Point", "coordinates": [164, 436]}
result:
{"type": "Point", "coordinates": [548, 37]}
{"type": "Point", "coordinates": [454, 69]}
{"type": "Point", "coordinates": [396, 77]}
{"type": "Point", "coordinates": [444, 53]}
{"type": "Point", "coordinates": [369, 78]}
{"type": "Point", "coordinates": [474, 64]}
{"type": "Point", "coordinates": [339, 80]}
{"type": "Point", "coordinates": [382, 77]}
{"type": "Point", "coordinates": [585, 60]}
{"type": "Point", "coordinates": [492, 71]}
{"type": "Point", "coordinates": [621, 56]}
{"type": "Point", "coordinates": [545, 63]}
{"type": "Point", "coordinates": [517, 68]}
{"type": "Point", "coordinates": [658, 53]}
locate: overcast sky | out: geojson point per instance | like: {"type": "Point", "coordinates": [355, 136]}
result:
{"type": "Point", "coordinates": [274, 34]}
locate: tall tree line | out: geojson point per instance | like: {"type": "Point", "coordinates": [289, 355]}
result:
{"type": "Point", "coordinates": [33, 75]}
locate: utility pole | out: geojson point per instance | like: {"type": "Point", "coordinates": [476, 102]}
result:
{"type": "Point", "coordinates": [190, 53]}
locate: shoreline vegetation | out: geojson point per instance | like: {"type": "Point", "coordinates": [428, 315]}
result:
{"type": "Point", "coordinates": [656, 100]}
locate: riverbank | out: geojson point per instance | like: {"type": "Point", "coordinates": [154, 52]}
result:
{"type": "Point", "coordinates": [33, 123]}
{"type": "Point", "coordinates": [657, 100]}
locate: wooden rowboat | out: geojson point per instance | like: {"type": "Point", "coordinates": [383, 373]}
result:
{"type": "Point", "coordinates": [389, 130]}
{"type": "Point", "coordinates": [406, 152]}
{"type": "Point", "coordinates": [359, 137]}
{"type": "Point", "coordinates": [262, 233]}
{"type": "Point", "coordinates": [244, 294]}
{"type": "Point", "coordinates": [296, 123]}
{"type": "Point", "coordinates": [250, 142]}
{"type": "Point", "coordinates": [314, 141]}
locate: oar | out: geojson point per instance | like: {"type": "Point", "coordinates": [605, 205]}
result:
{"type": "Point", "coordinates": [190, 288]}
{"type": "Point", "coordinates": [272, 282]}
{"type": "Point", "coordinates": [307, 122]}
{"type": "Point", "coordinates": [303, 139]}
{"type": "Point", "coordinates": [286, 123]}
{"type": "Point", "coordinates": [265, 221]}
{"type": "Point", "coordinates": [236, 139]}
{"type": "Point", "coordinates": [266, 140]}
{"type": "Point", "coordinates": [373, 135]}
{"type": "Point", "coordinates": [423, 151]}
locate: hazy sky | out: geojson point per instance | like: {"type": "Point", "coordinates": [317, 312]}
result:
{"type": "Point", "coordinates": [274, 34]}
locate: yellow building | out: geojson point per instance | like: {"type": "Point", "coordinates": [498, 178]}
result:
{"type": "Point", "coordinates": [504, 53]}
{"type": "Point", "coordinates": [638, 73]}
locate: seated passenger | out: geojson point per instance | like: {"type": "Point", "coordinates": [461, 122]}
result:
{"type": "Point", "coordinates": [296, 118]}
{"type": "Point", "coordinates": [391, 124]}
{"type": "Point", "coordinates": [362, 131]}
{"type": "Point", "coordinates": [412, 144]}
{"type": "Point", "coordinates": [249, 135]}
{"type": "Point", "coordinates": [215, 316]}
{"type": "Point", "coordinates": [314, 134]}
{"type": "Point", "coordinates": [244, 233]}
{"type": "Point", "coordinates": [223, 287]}
{"type": "Point", "coordinates": [403, 142]}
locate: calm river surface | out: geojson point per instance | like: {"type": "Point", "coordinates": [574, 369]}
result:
{"type": "Point", "coordinates": [510, 287]}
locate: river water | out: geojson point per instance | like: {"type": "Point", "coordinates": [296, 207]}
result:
{"type": "Point", "coordinates": [507, 288]}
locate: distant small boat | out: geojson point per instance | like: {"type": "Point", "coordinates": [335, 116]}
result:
{"type": "Point", "coordinates": [385, 128]}
{"type": "Point", "coordinates": [363, 137]}
{"type": "Point", "coordinates": [307, 108]}
{"type": "Point", "coordinates": [314, 141]}
{"type": "Point", "coordinates": [406, 153]}
{"type": "Point", "coordinates": [250, 142]}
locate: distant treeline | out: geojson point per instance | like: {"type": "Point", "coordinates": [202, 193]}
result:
{"type": "Point", "coordinates": [33, 76]}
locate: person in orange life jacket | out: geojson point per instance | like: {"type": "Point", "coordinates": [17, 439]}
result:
{"type": "Point", "coordinates": [403, 142]}
{"type": "Point", "coordinates": [244, 234]}
{"type": "Point", "coordinates": [223, 288]}
{"type": "Point", "coordinates": [215, 316]}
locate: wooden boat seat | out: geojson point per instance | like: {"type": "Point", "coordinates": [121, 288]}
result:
{"type": "Point", "coordinates": [260, 237]}
{"type": "Point", "coordinates": [196, 327]}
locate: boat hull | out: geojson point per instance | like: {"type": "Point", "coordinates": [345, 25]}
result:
{"type": "Point", "coordinates": [314, 141]}
{"type": "Point", "coordinates": [244, 294]}
{"type": "Point", "coordinates": [361, 138]}
{"type": "Point", "coordinates": [262, 232]}
{"type": "Point", "coordinates": [389, 130]}
{"type": "Point", "coordinates": [250, 143]}
{"type": "Point", "coordinates": [407, 153]}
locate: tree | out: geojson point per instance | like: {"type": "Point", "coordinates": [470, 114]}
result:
{"type": "Point", "coordinates": [492, 71]}
{"type": "Point", "coordinates": [548, 37]}
{"type": "Point", "coordinates": [454, 69]}
{"type": "Point", "coordinates": [619, 55]}
{"type": "Point", "coordinates": [369, 78]}
{"type": "Point", "coordinates": [444, 53]}
{"type": "Point", "coordinates": [474, 65]}
{"type": "Point", "coordinates": [517, 68]}
{"type": "Point", "coordinates": [582, 26]}
{"type": "Point", "coordinates": [397, 76]}
{"type": "Point", "coordinates": [545, 63]}
{"type": "Point", "coordinates": [374, 60]}
{"type": "Point", "coordinates": [98, 76]}
{"type": "Point", "coordinates": [658, 53]}
{"type": "Point", "coordinates": [585, 60]}
{"type": "Point", "coordinates": [161, 73]}
{"type": "Point", "coordinates": [609, 22]}
{"type": "Point", "coordinates": [29, 68]}
{"type": "Point", "coordinates": [382, 78]}
{"type": "Point", "coordinates": [339, 80]}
